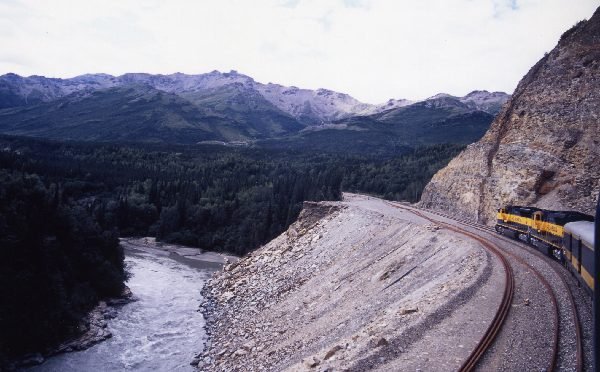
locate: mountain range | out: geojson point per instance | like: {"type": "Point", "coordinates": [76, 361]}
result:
{"type": "Point", "coordinates": [230, 107]}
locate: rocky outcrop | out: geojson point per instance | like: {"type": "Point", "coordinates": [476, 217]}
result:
{"type": "Point", "coordinates": [543, 147]}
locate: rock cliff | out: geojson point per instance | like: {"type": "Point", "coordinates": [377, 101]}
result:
{"type": "Point", "coordinates": [543, 147]}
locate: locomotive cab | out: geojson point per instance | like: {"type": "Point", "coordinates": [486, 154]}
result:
{"type": "Point", "coordinates": [500, 218]}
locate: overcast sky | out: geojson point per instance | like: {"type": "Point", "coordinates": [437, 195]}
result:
{"type": "Point", "coordinates": [371, 49]}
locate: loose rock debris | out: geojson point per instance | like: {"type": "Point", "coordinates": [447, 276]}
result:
{"type": "Point", "coordinates": [313, 299]}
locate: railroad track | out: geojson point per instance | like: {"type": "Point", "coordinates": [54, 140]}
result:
{"type": "Point", "coordinates": [574, 311]}
{"type": "Point", "coordinates": [506, 302]}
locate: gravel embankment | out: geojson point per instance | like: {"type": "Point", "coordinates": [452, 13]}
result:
{"type": "Point", "coordinates": [353, 285]}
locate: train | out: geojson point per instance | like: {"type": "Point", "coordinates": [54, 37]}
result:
{"type": "Point", "coordinates": [565, 235]}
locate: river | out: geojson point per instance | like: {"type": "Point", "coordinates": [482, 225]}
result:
{"type": "Point", "coordinates": [161, 330]}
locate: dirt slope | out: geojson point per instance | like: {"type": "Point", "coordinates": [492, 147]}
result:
{"type": "Point", "coordinates": [353, 285]}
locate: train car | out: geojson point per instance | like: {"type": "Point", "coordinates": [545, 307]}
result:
{"type": "Point", "coordinates": [578, 243]}
{"type": "Point", "coordinates": [547, 230]}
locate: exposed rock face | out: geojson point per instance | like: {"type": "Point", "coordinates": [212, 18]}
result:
{"type": "Point", "coordinates": [543, 148]}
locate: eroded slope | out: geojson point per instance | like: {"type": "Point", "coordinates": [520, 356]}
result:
{"type": "Point", "coordinates": [354, 285]}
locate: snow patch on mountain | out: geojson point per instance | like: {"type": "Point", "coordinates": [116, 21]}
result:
{"type": "Point", "coordinates": [485, 101]}
{"type": "Point", "coordinates": [389, 105]}
{"type": "Point", "coordinates": [477, 100]}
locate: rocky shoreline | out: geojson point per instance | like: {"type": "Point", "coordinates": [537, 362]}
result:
{"type": "Point", "coordinates": [92, 330]}
{"type": "Point", "coordinates": [191, 256]}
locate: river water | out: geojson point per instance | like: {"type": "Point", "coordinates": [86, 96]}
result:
{"type": "Point", "coordinates": [161, 331]}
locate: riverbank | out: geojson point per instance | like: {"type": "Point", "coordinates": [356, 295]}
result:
{"type": "Point", "coordinates": [194, 257]}
{"type": "Point", "coordinates": [155, 326]}
{"type": "Point", "coordinates": [93, 328]}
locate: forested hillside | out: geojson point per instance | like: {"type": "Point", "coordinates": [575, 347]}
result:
{"type": "Point", "coordinates": [213, 197]}
{"type": "Point", "coordinates": [55, 263]}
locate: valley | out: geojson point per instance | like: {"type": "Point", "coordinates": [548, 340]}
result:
{"type": "Point", "coordinates": [215, 222]}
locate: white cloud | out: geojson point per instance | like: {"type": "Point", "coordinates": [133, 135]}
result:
{"type": "Point", "coordinates": [371, 49]}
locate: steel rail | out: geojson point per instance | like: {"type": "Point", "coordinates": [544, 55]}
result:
{"type": "Point", "coordinates": [574, 311]}
{"type": "Point", "coordinates": [502, 312]}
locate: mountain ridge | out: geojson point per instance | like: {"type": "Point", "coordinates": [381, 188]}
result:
{"type": "Point", "coordinates": [229, 107]}
{"type": "Point", "coordinates": [52, 88]}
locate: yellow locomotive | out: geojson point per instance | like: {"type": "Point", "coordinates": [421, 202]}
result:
{"type": "Point", "coordinates": [568, 236]}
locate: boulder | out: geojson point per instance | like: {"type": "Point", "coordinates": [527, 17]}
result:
{"type": "Point", "coordinates": [332, 351]}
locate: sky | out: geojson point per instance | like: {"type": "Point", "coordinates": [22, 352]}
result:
{"type": "Point", "coordinates": [373, 50]}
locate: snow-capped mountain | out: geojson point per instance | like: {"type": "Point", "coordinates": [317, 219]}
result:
{"type": "Point", "coordinates": [485, 101]}
{"type": "Point", "coordinates": [389, 105]}
{"type": "Point", "coordinates": [231, 107]}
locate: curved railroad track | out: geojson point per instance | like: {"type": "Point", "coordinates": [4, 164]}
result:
{"type": "Point", "coordinates": [496, 325]}
{"type": "Point", "coordinates": [579, 363]}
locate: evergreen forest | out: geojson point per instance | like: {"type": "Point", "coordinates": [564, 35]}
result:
{"type": "Point", "coordinates": [63, 206]}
